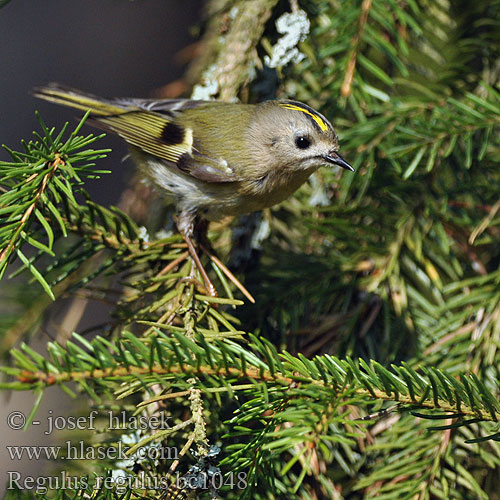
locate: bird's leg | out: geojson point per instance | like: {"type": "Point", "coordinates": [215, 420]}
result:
{"type": "Point", "coordinates": [194, 254]}
{"type": "Point", "coordinates": [186, 224]}
{"type": "Point", "coordinates": [206, 246]}
{"type": "Point", "coordinates": [188, 229]}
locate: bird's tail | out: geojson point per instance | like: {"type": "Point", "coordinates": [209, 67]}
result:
{"type": "Point", "coordinates": [79, 100]}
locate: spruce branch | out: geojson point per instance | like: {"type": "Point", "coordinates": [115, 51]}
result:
{"type": "Point", "coordinates": [180, 359]}
{"type": "Point", "coordinates": [42, 175]}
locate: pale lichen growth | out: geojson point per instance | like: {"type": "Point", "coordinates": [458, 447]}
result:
{"type": "Point", "coordinates": [294, 27]}
{"type": "Point", "coordinates": [261, 233]}
{"type": "Point", "coordinates": [163, 233]}
{"type": "Point", "coordinates": [143, 234]}
{"type": "Point", "coordinates": [233, 13]}
{"type": "Point", "coordinates": [208, 88]}
{"type": "Point", "coordinates": [319, 196]}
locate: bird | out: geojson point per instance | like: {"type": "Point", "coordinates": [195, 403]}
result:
{"type": "Point", "coordinates": [214, 159]}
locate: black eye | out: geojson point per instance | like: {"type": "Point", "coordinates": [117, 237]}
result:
{"type": "Point", "coordinates": [302, 142]}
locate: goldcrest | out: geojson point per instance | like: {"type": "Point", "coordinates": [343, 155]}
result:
{"type": "Point", "coordinates": [213, 158]}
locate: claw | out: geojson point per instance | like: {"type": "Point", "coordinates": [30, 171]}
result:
{"type": "Point", "coordinates": [192, 280]}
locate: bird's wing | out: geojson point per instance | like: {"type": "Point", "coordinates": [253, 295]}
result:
{"type": "Point", "coordinates": [149, 125]}
{"type": "Point", "coordinates": [162, 137]}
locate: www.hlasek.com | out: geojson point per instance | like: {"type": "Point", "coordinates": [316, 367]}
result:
{"type": "Point", "coordinates": [82, 451]}
{"type": "Point", "coordinates": [120, 484]}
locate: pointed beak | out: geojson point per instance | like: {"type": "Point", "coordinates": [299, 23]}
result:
{"type": "Point", "coordinates": [336, 159]}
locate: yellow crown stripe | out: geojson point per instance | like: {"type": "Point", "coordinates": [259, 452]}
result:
{"type": "Point", "coordinates": [322, 125]}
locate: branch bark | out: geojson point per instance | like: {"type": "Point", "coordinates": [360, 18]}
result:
{"type": "Point", "coordinates": [230, 45]}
